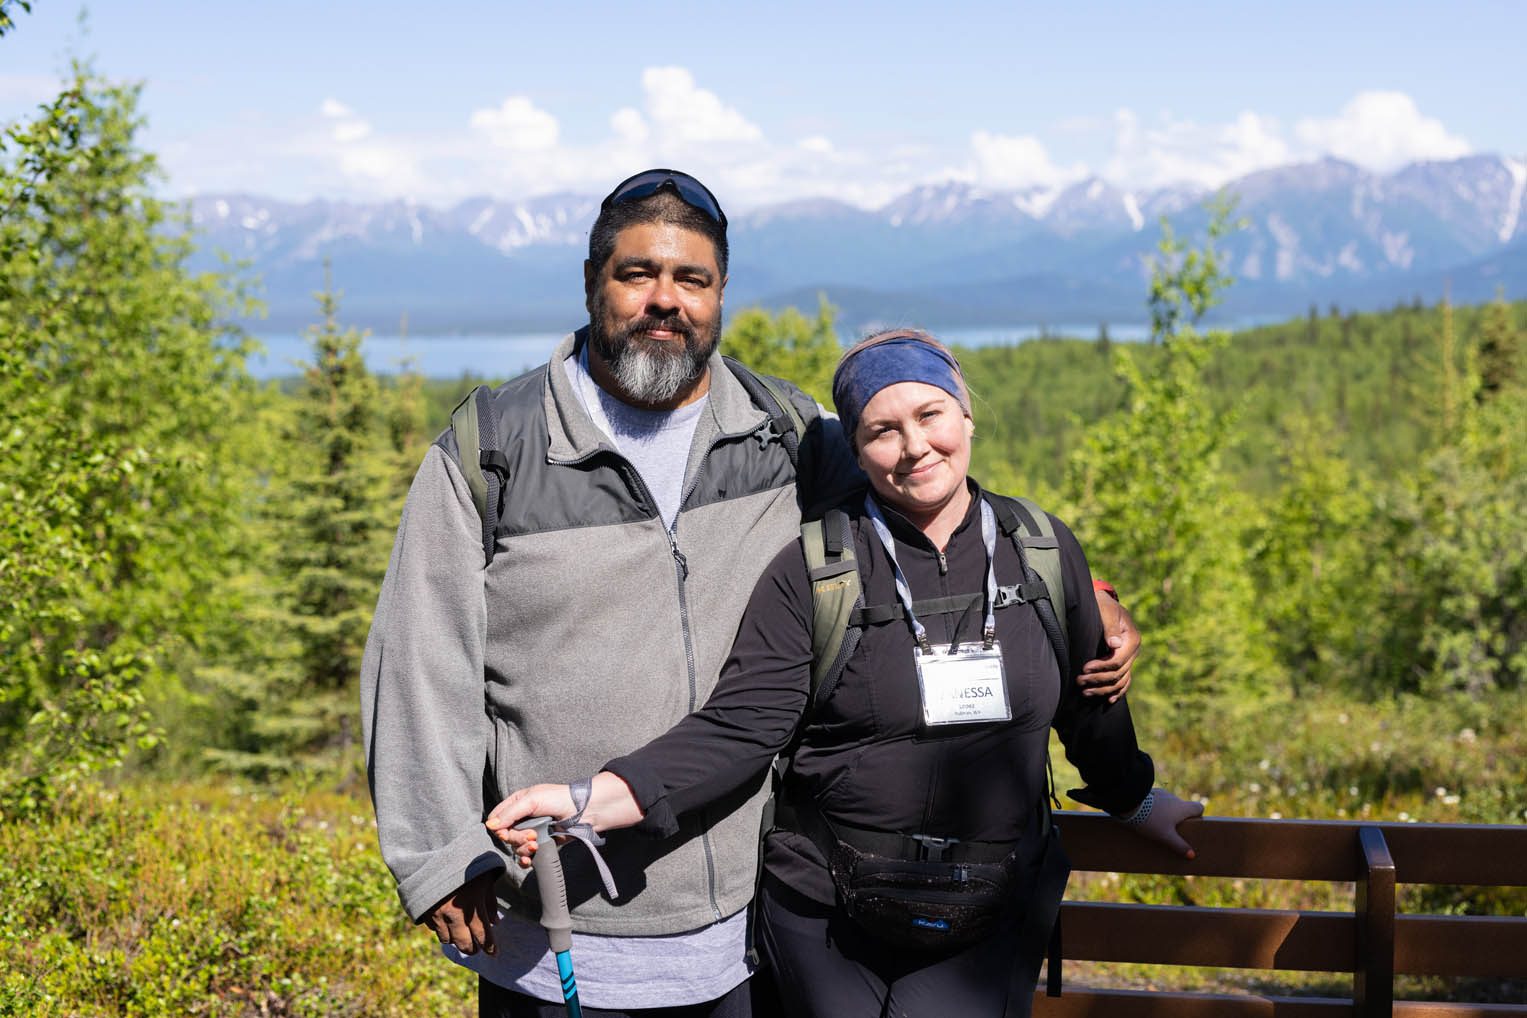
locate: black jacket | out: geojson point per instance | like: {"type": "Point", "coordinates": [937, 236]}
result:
{"type": "Point", "coordinates": [864, 757]}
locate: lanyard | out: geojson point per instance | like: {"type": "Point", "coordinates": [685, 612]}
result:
{"type": "Point", "coordinates": [904, 592]}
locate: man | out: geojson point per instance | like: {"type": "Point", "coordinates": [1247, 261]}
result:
{"type": "Point", "coordinates": [645, 493]}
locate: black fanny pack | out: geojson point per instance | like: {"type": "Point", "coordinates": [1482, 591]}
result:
{"type": "Point", "coordinates": [910, 892]}
{"type": "Point", "coordinates": [921, 904]}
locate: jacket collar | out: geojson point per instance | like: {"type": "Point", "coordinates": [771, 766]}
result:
{"type": "Point", "coordinates": [905, 531]}
{"type": "Point", "coordinates": [573, 435]}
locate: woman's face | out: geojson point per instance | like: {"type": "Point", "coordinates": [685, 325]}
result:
{"type": "Point", "coordinates": [914, 444]}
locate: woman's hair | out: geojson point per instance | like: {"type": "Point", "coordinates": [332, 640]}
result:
{"type": "Point", "coordinates": [887, 357]}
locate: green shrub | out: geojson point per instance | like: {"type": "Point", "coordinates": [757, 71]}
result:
{"type": "Point", "coordinates": [211, 899]}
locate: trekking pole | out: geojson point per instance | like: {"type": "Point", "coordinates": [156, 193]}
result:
{"type": "Point", "coordinates": [554, 915]}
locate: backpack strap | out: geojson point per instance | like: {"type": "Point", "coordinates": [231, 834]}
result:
{"type": "Point", "coordinates": [1034, 539]}
{"type": "Point", "coordinates": [474, 422]}
{"type": "Point", "coordinates": [785, 421]}
{"type": "Point", "coordinates": [836, 592]}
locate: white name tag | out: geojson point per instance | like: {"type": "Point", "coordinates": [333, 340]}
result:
{"type": "Point", "coordinates": [965, 687]}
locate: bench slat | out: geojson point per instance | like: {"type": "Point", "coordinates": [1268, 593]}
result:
{"type": "Point", "coordinates": [1473, 854]}
{"type": "Point", "coordinates": [1088, 1003]}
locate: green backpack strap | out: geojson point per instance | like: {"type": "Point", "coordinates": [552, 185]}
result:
{"type": "Point", "coordinates": [1034, 537]}
{"type": "Point", "coordinates": [835, 592]}
{"type": "Point", "coordinates": [474, 422]}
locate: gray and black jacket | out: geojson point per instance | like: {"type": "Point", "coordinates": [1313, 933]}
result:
{"type": "Point", "coordinates": [593, 631]}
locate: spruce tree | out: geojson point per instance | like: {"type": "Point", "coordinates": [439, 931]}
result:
{"type": "Point", "coordinates": [333, 514]}
{"type": "Point", "coordinates": [1500, 350]}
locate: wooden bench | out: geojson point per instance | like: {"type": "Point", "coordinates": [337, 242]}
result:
{"type": "Point", "coordinates": [1372, 942]}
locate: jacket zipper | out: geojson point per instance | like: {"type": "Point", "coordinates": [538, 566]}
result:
{"type": "Point", "coordinates": [682, 565]}
{"type": "Point", "coordinates": [681, 576]}
{"type": "Point", "coordinates": [681, 570]}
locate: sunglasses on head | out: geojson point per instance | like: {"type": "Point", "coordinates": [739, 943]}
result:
{"type": "Point", "coordinates": [650, 182]}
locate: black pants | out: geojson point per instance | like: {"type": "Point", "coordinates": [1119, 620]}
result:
{"type": "Point", "coordinates": [825, 967]}
{"type": "Point", "coordinates": [753, 999]}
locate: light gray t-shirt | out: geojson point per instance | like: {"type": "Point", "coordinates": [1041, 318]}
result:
{"type": "Point", "coordinates": [655, 441]}
{"type": "Point", "coordinates": [627, 973]}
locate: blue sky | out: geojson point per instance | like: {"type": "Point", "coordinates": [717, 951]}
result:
{"type": "Point", "coordinates": [768, 102]}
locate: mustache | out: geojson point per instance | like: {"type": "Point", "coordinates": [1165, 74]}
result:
{"type": "Point", "coordinates": [670, 323]}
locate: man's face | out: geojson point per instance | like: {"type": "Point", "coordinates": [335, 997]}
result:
{"type": "Point", "coordinates": [655, 311]}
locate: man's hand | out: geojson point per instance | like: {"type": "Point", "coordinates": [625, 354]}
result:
{"type": "Point", "coordinates": [1111, 676]}
{"type": "Point", "coordinates": [464, 919]}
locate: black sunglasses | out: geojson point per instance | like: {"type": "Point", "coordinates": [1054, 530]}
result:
{"type": "Point", "coordinates": [650, 182]}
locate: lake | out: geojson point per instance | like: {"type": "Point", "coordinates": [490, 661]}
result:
{"type": "Point", "coordinates": [507, 355]}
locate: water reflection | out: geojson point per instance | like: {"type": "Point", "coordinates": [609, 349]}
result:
{"type": "Point", "coordinates": [508, 355]}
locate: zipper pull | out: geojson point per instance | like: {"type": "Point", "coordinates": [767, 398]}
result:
{"type": "Point", "coordinates": [678, 556]}
{"type": "Point", "coordinates": [943, 565]}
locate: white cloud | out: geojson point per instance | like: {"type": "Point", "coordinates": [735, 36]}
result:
{"type": "Point", "coordinates": [381, 169]}
{"type": "Point", "coordinates": [629, 126]}
{"type": "Point", "coordinates": [1011, 161]}
{"type": "Point", "coordinates": [1383, 131]}
{"type": "Point", "coordinates": [1173, 151]}
{"type": "Point", "coordinates": [683, 113]}
{"type": "Point", "coordinates": [346, 126]}
{"type": "Point", "coordinates": [517, 125]}
{"type": "Point", "coordinates": [674, 121]}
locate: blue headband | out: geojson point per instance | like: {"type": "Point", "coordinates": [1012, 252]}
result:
{"type": "Point", "coordinates": [865, 372]}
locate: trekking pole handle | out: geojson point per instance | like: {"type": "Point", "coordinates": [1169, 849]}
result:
{"type": "Point", "coordinates": [555, 918]}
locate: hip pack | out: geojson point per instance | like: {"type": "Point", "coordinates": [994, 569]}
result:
{"type": "Point", "coordinates": [913, 892]}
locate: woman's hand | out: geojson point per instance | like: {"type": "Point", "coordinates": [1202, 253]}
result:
{"type": "Point", "coordinates": [1110, 676]}
{"type": "Point", "coordinates": [610, 805]}
{"type": "Point", "coordinates": [1167, 812]}
{"type": "Point", "coordinates": [553, 801]}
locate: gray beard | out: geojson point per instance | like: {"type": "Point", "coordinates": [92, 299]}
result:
{"type": "Point", "coordinates": [652, 373]}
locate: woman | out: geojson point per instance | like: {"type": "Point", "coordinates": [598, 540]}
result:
{"type": "Point", "coordinates": [914, 869]}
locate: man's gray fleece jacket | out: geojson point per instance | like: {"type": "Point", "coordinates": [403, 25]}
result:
{"type": "Point", "coordinates": [593, 631]}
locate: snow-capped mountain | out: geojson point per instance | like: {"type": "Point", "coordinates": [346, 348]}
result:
{"type": "Point", "coordinates": [942, 254]}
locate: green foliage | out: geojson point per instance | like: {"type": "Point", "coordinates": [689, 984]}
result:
{"type": "Point", "coordinates": [788, 345]}
{"type": "Point", "coordinates": [1187, 281]}
{"type": "Point", "coordinates": [171, 900]}
{"type": "Point", "coordinates": [1029, 405]}
{"type": "Point", "coordinates": [121, 397]}
{"type": "Point", "coordinates": [1459, 582]}
{"type": "Point", "coordinates": [1314, 554]}
{"type": "Point", "coordinates": [7, 22]}
{"type": "Point", "coordinates": [1158, 513]}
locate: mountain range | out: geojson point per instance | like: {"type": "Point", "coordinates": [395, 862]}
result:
{"type": "Point", "coordinates": [947, 255]}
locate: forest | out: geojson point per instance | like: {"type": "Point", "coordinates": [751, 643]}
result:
{"type": "Point", "coordinates": [1316, 524]}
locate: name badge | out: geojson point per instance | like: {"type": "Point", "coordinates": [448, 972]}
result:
{"type": "Point", "coordinates": [962, 688]}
